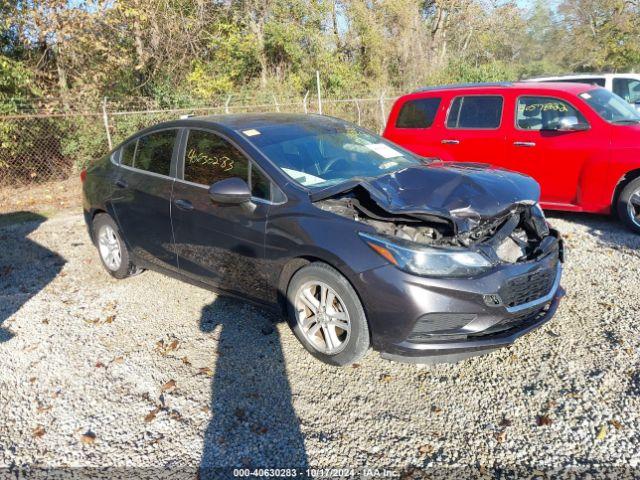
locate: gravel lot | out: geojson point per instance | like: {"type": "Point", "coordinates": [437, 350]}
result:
{"type": "Point", "coordinates": [151, 372]}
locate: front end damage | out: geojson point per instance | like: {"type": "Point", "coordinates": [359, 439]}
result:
{"type": "Point", "coordinates": [458, 210]}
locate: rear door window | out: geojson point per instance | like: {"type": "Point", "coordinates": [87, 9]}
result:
{"type": "Point", "coordinates": [475, 112]}
{"type": "Point", "coordinates": [154, 152]}
{"type": "Point", "coordinates": [210, 158]}
{"type": "Point", "coordinates": [419, 113]}
{"type": "Point", "coordinates": [545, 113]}
{"type": "Point", "coordinates": [128, 153]}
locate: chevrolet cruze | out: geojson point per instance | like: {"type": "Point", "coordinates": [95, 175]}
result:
{"type": "Point", "coordinates": [358, 242]}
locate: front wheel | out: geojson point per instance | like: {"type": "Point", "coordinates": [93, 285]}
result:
{"type": "Point", "coordinates": [326, 315]}
{"type": "Point", "coordinates": [629, 205]}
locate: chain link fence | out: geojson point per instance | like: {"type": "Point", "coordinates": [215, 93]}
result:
{"type": "Point", "coordinates": [42, 147]}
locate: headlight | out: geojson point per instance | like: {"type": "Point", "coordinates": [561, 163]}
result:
{"type": "Point", "coordinates": [429, 261]}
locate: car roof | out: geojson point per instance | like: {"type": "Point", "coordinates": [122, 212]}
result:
{"type": "Point", "coordinates": [496, 87]}
{"type": "Point", "coordinates": [245, 121]}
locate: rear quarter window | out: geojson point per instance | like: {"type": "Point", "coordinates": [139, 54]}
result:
{"type": "Point", "coordinates": [419, 113]}
{"type": "Point", "coordinates": [475, 112]}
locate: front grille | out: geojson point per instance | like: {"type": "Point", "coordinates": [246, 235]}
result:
{"type": "Point", "coordinates": [527, 288]}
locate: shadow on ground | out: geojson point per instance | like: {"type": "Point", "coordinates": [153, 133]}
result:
{"type": "Point", "coordinates": [253, 422]}
{"type": "Point", "coordinates": [26, 267]}
{"type": "Point", "coordinates": [606, 228]}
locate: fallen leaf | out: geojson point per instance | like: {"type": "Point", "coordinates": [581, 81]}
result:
{"type": "Point", "coordinates": [175, 415]}
{"type": "Point", "coordinates": [240, 414]}
{"type": "Point", "coordinates": [42, 408]}
{"type": "Point", "coordinates": [259, 430]}
{"type": "Point", "coordinates": [170, 385]}
{"type": "Point", "coordinates": [151, 416]}
{"type": "Point", "coordinates": [616, 424]}
{"type": "Point", "coordinates": [205, 409]}
{"type": "Point", "coordinates": [39, 431]}
{"type": "Point", "coordinates": [206, 371]}
{"type": "Point", "coordinates": [186, 361]}
{"type": "Point", "coordinates": [355, 365]}
{"type": "Point", "coordinates": [118, 360]}
{"type": "Point", "coordinates": [501, 436]}
{"type": "Point", "coordinates": [88, 437]}
{"type": "Point", "coordinates": [385, 377]}
{"type": "Point", "coordinates": [110, 319]}
{"type": "Point", "coordinates": [543, 420]}
{"type": "Point", "coordinates": [32, 379]}
{"type": "Point", "coordinates": [436, 409]}
{"type": "Point", "coordinates": [425, 449]}
{"type": "Point", "coordinates": [602, 433]}
{"type": "Point", "coordinates": [99, 365]}
{"type": "Point", "coordinates": [173, 345]}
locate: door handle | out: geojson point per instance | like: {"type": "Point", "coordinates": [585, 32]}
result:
{"type": "Point", "coordinates": [121, 183]}
{"type": "Point", "coordinates": [524, 144]}
{"type": "Point", "coordinates": [183, 204]}
{"type": "Point", "coordinates": [450, 142]}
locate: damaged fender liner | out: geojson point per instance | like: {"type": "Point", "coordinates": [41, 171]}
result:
{"type": "Point", "coordinates": [449, 204]}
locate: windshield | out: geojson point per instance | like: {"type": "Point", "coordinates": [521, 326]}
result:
{"type": "Point", "coordinates": [610, 106]}
{"type": "Point", "coordinates": [323, 152]}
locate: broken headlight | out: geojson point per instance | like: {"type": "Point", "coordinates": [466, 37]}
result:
{"type": "Point", "coordinates": [426, 260]}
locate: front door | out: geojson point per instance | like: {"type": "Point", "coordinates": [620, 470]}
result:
{"type": "Point", "coordinates": [142, 197]}
{"type": "Point", "coordinates": [221, 245]}
{"type": "Point", "coordinates": [472, 130]}
{"type": "Point", "coordinates": [553, 157]}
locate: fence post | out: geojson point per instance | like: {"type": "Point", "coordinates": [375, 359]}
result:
{"type": "Point", "coordinates": [359, 114]}
{"type": "Point", "coordinates": [304, 103]}
{"type": "Point", "coordinates": [226, 104]}
{"type": "Point", "coordinates": [383, 116]}
{"type": "Point", "coordinates": [318, 87]}
{"type": "Point", "coordinates": [275, 101]}
{"type": "Point", "coordinates": [105, 119]}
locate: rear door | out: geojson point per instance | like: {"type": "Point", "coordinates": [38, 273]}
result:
{"type": "Point", "coordinates": [416, 125]}
{"type": "Point", "coordinates": [554, 158]}
{"type": "Point", "coordinates": [142, 196]}
{"type": "Point", "coordinates": [221, 245]}
{"type": "Point", "coordinates": [472, 131]}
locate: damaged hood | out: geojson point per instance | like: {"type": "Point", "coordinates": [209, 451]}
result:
{"type": "Point", "coordinates": [463, 193]}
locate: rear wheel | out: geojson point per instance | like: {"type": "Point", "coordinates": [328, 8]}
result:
{"type": "Point", "coordinates": [629, 205]}
{"type": "Point", "coordinates": [326, 315]}
{"type": "Point", "coordinates": [111, 248]}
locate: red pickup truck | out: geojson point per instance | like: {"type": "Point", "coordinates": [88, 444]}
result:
{"type": "Point", "coordinates": [579, 141]}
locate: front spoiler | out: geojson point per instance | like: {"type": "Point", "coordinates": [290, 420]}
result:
{"type": "Point", "coordinates": [453, 351]}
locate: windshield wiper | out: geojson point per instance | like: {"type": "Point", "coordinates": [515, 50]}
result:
{"type": "Point", "coordinates": [625, 121]}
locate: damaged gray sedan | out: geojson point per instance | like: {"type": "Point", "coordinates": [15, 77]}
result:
{"type": "Point", "coordinates": [360, 243]}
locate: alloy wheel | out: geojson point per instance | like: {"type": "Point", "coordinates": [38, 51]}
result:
{"type": "Point", "coordinates": [109, 247]}
{"type": "Point", "coordinates": [633, 207]}
{"type": "Point", "coordinates": [322, 317]}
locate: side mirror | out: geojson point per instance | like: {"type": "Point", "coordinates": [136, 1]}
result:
{"type": "Point", "coordinates": [230, 191]}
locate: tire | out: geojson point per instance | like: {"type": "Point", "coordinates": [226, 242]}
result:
{"type": "Point", "coordinates": [104, 225]}
{"type": "Point", "coordinates": [329, 343]}
{"type": "Point", "coordinates": [629, 205]}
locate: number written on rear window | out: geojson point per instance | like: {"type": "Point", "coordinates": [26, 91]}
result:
{"type": "Point", "coordinates": [477, 111]}
{"type": "Point", "coordinates": [418, 113]}
{"type": "Point", "coordinates": [210, 158]}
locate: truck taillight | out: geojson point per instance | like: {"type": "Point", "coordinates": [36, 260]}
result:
{"type": "Point", "coordinates": [83, 175]}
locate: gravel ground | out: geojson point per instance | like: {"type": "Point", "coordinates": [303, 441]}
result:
{"type": "Point", "coordinates": [151, 372]}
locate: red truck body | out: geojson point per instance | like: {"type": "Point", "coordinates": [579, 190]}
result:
{"type": "Point", "coordinates": [520, 127]}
